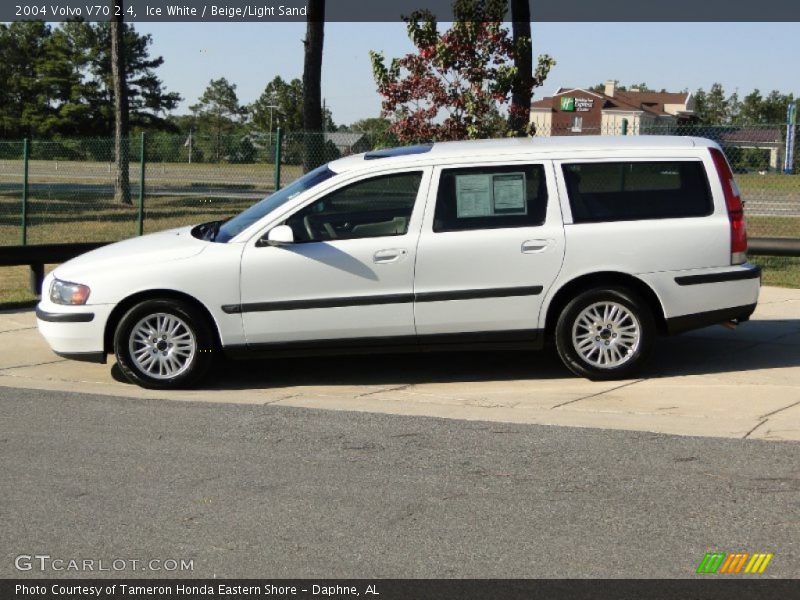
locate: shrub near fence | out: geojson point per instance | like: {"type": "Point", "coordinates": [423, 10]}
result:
{"type": "Point", "coordinates": [188, 180]}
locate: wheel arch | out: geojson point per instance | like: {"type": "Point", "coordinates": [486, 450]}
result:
{"type": "Point", "coordinates": [156, 294]}
{"type": "Point", "coordinates": [602, 279]}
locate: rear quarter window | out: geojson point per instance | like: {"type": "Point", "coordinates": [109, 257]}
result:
{"type": "Point", "coordinates": [631, 191]}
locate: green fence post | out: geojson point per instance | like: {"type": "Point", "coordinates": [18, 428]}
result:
{"type": "Point", "coordinates": [141, 185]}
{"type": "Point", "coordinates": [25, 192]}
{"type": "Point", "coordinates": [278, 146]}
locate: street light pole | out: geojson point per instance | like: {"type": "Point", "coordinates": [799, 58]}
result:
{"type": "Point", "coordinates": [271, 107]}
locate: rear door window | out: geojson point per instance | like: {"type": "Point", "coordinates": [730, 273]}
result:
{"type": "Point", "coordinates": [630, 191]}
{"type": "Point", "coordinates": [491, 197]}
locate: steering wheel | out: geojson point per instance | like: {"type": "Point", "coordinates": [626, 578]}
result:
{"type": "Point", "coordinates": [309, 229]}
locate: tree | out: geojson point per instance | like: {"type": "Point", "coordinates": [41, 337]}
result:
{"type": "Point", "coordinates": [21, 49]}
{"type": "Point", "coordinates": [452, 87]}
{"type": "Point", "coordinates": [519, 113]}
{"type": "Point", "coordinates": [751, 110]}
{"type": "Point", "coordinates": [39, 80]}
{"type": "Point", "coordinates": [219, 109]}
{"type": "Point", "coordinates": [733, 108]}
{"type": "Point", "coordinates": [312, 84]}
{"type": "Point", "coordinates": [642, 87]}
{"type": "Point", "coordinates": [147, 98]}
{"type": "Point", "coordinates": [774, 107]}
{"type": "Point", "coordinates": [712, 109]}
{"type": "Point", "coordinates": [59, 81]}
{"type": "Point", "coordinates": [377, 129]}
{"type": "Point", "coordinates": [287, 100]}
{"type": "Point", "coordinates": [700, 99]}
{"type": "Point", "coordinates": [122, 184]}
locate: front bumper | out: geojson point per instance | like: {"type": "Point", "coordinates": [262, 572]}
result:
{"type": "Point", "coordinates": [71, 317]}
{"type": "Point", "coordinates": [76, 332]}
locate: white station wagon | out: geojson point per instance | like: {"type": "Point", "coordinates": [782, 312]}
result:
{"type": "Point", "coordinates": [599, 244]}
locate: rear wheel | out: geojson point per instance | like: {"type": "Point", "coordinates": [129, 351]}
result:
{"type": "Point", "coordinates": [605, 333]}
{"type": "Point", "coordinates": [164, 344]}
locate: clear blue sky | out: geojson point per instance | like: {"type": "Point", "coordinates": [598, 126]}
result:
{"type": "Point", "coordinates": [674, 56]}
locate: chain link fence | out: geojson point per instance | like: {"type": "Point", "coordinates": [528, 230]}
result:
{"type": "Point", "coordinates": [11, 191]}
{"type": "Point", "coordinates": [70, 192]}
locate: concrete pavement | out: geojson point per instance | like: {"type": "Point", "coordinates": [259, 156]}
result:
{"type": "Point", "coordinates": [712, 382]}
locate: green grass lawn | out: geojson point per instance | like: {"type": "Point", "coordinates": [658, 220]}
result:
{"type": "Point", "coordinates": [87, 219]}
{"type": "Point", "coordinates": [773, 227]}
{"type": "Point", "coordinates": [753, 182]}
{"type": "Point", "coordinates": [780, 271]}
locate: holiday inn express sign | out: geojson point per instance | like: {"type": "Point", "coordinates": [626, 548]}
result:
{"type": "Point", "coordinates": [569, 104]}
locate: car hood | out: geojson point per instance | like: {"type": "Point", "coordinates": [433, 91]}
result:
{"type": "Point", "coordinates": [161, 247]}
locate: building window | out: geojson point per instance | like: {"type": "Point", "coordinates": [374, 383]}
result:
{"type": "Point", "coordinates": [577, 124]}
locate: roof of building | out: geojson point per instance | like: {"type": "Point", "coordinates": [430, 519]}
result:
{"type": "Point", "coordinates": [651, 102]}
{"type": "Point", "coordinates": [343, 138]}
{"type": "Point", "coordinates": [755, 135]}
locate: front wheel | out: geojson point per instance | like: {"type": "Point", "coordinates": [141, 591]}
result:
{"type": "Point", "coordinates": [605, 334]}
{"type": "Point", "coordinates": [164, 344]}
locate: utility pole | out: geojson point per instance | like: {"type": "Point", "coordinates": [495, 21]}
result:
{"type": "Point", "coordinates": [791, 125]}
{"type": "Point", "coordinates": [271, 107]}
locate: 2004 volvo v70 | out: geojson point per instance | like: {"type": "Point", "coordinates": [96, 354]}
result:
{"type": "Point", "coordinates": [599, 243]}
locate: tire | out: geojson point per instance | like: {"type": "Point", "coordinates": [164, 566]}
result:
{"type": "Point", "coordinates": [592, 349]}
{"type": "Point", "coordinates": [179, 354]}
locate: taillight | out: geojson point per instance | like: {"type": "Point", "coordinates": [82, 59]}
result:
{"type": "Point", "coordinates": [733, 200]}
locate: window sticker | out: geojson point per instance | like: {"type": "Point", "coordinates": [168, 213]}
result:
{"type": "Point", "coordinates": [509, 194]}
{"type": "Point", "coordinates": [474, 196]}
{"type": "Point", "coordinates": [490, 195]}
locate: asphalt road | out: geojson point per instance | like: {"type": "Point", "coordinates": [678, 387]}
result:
{"type": "Point", "coordinates": [265, 491]}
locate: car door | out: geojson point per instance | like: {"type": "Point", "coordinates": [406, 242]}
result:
{"type": "Point", "coordinates": [492, 244]}
{"type": "Point", "coordinates": [348, 273]}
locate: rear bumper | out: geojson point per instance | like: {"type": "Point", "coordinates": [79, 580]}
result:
{"type": "Point", "coordinates": [696, 298]}
{"type": "Point", "coordinates": [742, 273]}
{"type": "Point", "coordinates": [740, 314]}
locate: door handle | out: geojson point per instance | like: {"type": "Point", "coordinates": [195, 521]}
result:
{"type": "Point", "coordinates": [535, 246]}
{"type": "Point", "coordinates": [389, 256]}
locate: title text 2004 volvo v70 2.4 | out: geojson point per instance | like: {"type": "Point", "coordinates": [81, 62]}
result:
{"type": "Point", "coordinates": [599, 243]}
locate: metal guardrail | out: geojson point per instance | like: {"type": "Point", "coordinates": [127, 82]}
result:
{"type": "Point", "coordinates": [773, 246]}
{"type": "Point", "coordinates": [36, 257]}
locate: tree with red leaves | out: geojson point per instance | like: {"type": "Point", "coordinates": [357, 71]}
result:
{"type": "Point", "coordinates": [454, 86]}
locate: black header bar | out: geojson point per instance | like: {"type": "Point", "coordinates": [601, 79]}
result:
{"type": "Point", "coordinates": [708, 587]}
{"type": "Point", "coordinates": [286, 11]}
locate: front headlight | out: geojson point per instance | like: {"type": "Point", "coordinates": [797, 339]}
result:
{"type": "Point", "coordinates": [64, 292]}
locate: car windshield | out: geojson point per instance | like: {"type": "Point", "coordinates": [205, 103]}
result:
{"type": "Point", "coordinates": [243, 220]}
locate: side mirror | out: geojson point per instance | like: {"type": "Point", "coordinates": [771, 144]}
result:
{"type": "Point", "coordinates": [280, 235]}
